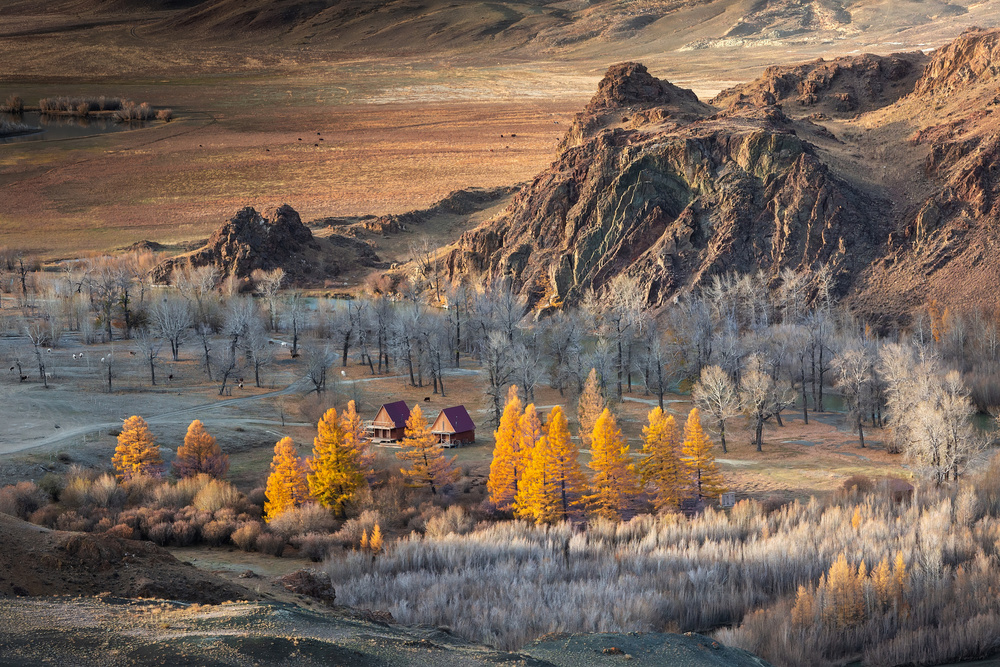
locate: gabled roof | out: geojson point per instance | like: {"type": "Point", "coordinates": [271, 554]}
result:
{"type": "Point", "coordinates": [459, 419]}
{"type": "Point", "coordinates": [398, 413]}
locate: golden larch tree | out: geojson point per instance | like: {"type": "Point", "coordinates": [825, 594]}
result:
{"type": "Point", "coordinates": [375, 544]}
{"type": "Point", "coordinates": [531, 431]}
{"type": "Point", "coordinates": [357, 439]}
{"type": "Point", "coordinates": [845, 602]}
{"type": "Point", "coordinates": [660, 467]}
{"type": "Point", "coordinates": [200, 453]}
{"type": "Point", "coordinates": [614, 484]}
{"type": "Point", "coordinates": [505, 468]}
{"type": "Point", "coordinates": [804, 610]}
{"type": "Point", "coordinates": [334, 475]}
{"type": "Point", "coordinates": [590, 406]}
{"type": "Point", "coordinates": [137, 454]}
{"type": "Point", "coordinates": [429, 468]}
{"type": "Point", "coordinates": [696, 454]}
{"type": "Point", "coordinates": [287, 487]}
{"type": "Point", "coordinates": [552, 483]}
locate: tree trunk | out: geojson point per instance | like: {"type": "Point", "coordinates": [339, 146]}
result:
{"type": "Point", "coordinates": [722, 435]}
{"type": "Point", "coordinates": [208, 359]}
{"type": "Point", "coordinates": [152, 372]}
{"type": "Point", "coordinates": [760, 434]}
{"type": "Point", "coordinates": [805, 408]}
{"type": "Point", "coordinates": [822, 372]}
{"type": "Point", "coordinates": [861, 432]}
{"type": "Point", "coordinates": [620, 362]}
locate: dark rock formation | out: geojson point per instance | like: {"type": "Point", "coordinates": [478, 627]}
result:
{"type": "Point", "coordinates": [250, 241]}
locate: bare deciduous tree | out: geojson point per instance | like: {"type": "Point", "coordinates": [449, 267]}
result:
{"type": "Point", "coordinates": [172, 321]}
{"type": "Point", "coordinates": [716, 394]}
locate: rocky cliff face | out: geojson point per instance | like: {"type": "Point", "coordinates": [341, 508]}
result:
{"type": "Point", "coordinates": [949, 237]}
{"type": "Point", "coordinates": [251, 241]}
{"type": "Point", "coordinates": [683, 194]}
{"type": "Point", "coordinates": [900, 197]}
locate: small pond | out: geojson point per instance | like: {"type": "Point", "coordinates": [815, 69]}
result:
{"type": "Point", "coordinates": [63, 127]}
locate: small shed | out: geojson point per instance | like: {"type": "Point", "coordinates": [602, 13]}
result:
{"type": "Point", "coordinates": [390, 422]}
{"type": "Point", "coordinates": [454, 426]}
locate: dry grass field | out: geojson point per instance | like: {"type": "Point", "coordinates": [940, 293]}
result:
{"type": "Point", "coordinates": [399, 130]}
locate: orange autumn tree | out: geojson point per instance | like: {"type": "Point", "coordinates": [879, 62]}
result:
{"type": "Point", "coordinates": [200, 453]}
{"type": "Point", "coordinates": [530, 431]}
{"type": "Point", "coordinates": [429, 468]}
{"type": "Point", "coordinates": [697, 457]}
{"type": "Point", "coordinates": [334, 475]}
{"type": "Point", "coordinates": [552, 483]}
{"type": "Point", "coordinates": [505, 469]}
{"type": "Point", "coordinates": [614, 485]}
{"type": "Point", "coordinates": [286, 486]}
{"type": "Point", "coordinates": [592, 403]}
{"type": "Point", "coordinates": [661, 467]}
{"type": "Point", "coordinates": [357, 439]}
{"type": "Point", "coordinates": [137, 454]}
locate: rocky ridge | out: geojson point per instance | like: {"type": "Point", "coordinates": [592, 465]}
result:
{"type": "Point", "coordinates": [898, 198]}
{"type": "Point", "coordinates": [673, 201]}
{"type": "Point", "coordinates": [842, 86]}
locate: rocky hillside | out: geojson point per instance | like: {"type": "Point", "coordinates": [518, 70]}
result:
{"type": "Point", "coordinates": [839, 87]}
{"type": "Point", "coordinates": [882, 168]}
{"type": "Point", "coordinates": [251, 241]}
{"type": "Point", "coordinates": [655, 184]}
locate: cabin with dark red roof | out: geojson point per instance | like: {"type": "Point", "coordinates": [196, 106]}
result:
{"type": "Point", "coordinates": [390, 422]}
{"type": "Point", "coordinates": [454, 426]}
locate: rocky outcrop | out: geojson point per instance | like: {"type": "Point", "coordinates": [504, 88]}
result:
{"type": "Point", "coordinates": [251, 241]}
{"type": "Point", "coordinates": [972, 59]}
{"type": "Point", "coordinates": [843, 86]}
{"type": "Point", "coordinates": [676, 203]}
{"type": "Point", "coordinates": [629, 97]}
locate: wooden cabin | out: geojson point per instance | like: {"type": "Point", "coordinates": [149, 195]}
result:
{"type": "Point", "coordinates": [454, 426]}
{"type": "Point", "coordinates": [390, 422]}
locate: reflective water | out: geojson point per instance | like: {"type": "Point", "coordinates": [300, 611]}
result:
{"type": "Point", "coordinates": [63, 127]}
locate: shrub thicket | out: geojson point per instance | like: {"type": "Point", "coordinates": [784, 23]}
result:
{"type": "Point", "coordinates": [509, 583]}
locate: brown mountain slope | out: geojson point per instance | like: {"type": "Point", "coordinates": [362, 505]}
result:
{"type": "Point", "coordinates": [900, 201]}
{"type": "Point", "coordinates": [595, 29]}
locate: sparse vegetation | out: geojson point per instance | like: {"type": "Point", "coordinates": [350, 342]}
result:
{"type": "Point", "coordinates": [11, 128]}
{"type": "Point", "coordinates": [850, 567]}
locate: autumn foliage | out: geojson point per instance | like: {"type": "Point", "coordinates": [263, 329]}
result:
{"type": "Point", "coordinates": [428, 465]}
{"type": "Point", "coordinates": [137, 454]}
{"type": "Point", "coordinates": [661, 468]}
{"type": "Point", "coordinates": [553, 482]}
{"type": "Point", "coordinates": [200, 454]}
{"type": "Point", "coordinates": [286, 486]}
{"type": "Point", "coordinates": [505, 469]}
{"type": "Point", "coordinates": [614, 485]}
{"type": "Point", "coordinates": [592, 403]}
{"type": "Point", "coordinates": [357, 439]}
{"type": "Point", "coordinates": [705, 479]}
{"type": "Point", "coordinates": [334, 472]}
